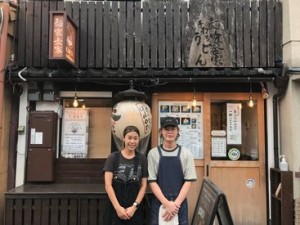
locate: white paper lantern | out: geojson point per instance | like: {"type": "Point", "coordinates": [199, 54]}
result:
{"type": "Point", "coordinates": [131, 113]}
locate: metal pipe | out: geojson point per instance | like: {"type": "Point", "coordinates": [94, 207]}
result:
{"type": "Point", "coordinates": [282, 85]}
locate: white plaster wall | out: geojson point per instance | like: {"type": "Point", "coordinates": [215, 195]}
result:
{"type": "Point", "coordinates": [21, 145]}
{"type": "Point", "coordinates": [290, 104]}
{"type": "Point", "coordinates": [291, 32]}
{"type": "Point", "coordinates": [289, 124]}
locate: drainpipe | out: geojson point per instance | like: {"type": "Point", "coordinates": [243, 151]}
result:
{"type": "Point", "coordinates": [4, 9]}
{"type": "Point", "coordinates": [281, 83]}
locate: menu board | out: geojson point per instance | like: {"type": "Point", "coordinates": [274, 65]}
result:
{"type": "Point", "coordinates": [190, 121]}
{"type": "Point", "coordinates": [211, 205]}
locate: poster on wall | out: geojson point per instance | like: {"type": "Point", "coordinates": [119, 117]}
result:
{"type": "Point", "coordinates": [190, 120]}
{"type": "Point", "coordinates": [234, 123]}
{"type": "Point", "coordinates": [75, 125]}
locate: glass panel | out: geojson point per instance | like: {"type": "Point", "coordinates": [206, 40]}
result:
{"type": "Point", "coordinates": [98, 127]}
{"type": "Point", "coordinates": [234, 131]}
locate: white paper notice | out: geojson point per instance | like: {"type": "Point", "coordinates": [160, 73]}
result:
{"type": "Point", "coordinates": [234, 123]}
{"type": "Point", "coordinates": [39, 138]}
{"type": "Point", "coordinates": [32, 136]}
{"type": "Point", "coordinates": [218, 146]}
{"type": "Point", "coordinates": [75, 135]}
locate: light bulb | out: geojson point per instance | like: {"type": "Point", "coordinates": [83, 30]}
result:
{"type": "Point", "coordinates": [251, 102]}
{"type": "Point", "coordinates": [194, 104]}
{"type": "Point", "coordinates": [75, 101]}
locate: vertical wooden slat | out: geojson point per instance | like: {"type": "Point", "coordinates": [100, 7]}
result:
{"type": "Point", "coordinates": [28, 213]}
{"type": "Point", "coordinates": [122, 37]}
{"type": "Point", "coordinates": [247, 34]}
{"type": "Point", "coordinates": [45, 34]}
{"type": "Point", "coordinates": [99, 34]}
{"type": "Point", "coordinates": [60, 5]}
{"type": "Point", "coordinates": [93, 212]}
{"type": "Point", "coordinates": [255, 32]}
{"type": "Point", "coordinates": [231, 31]}
{"type": "Point", "coordinates": [45, 211]}
{"type": "Point", "coordinates": [21, 32]}
{"type": "Point", "coordinates": [239, 34]}
{"type": "Point", "coordinates": [262, 33]}
{"type": "Point", "coordinates": [29, 34]}
{"type": "Point", "coordinates": [100, 210]}
{"type": "Point", "coordinates": [52, 7]}
{"type": "Point", "coordinates": [18, 216]}
{"type": "Point", "coordinates": [9, 211]}
{"type": "Point", "coordinates": [153, 32]}
{"type": "Point", "coordinates": [130, 29]}
{"type": "Point", "coordinates": [83, 34]}
{"type": "Point", "coordinates": [169, 35]}
{"type": "Point", "coordinates": [146, 35]}
{"type": "Point", "coordinates": [91, 35]}
{"type": "Point", "coordinates": [84, 211]}
{"type": "Point", "coordinates": [37, 33]}
{"type": "Point", "coordinates": [68, 6]}
{"type": "Point", "coordinates": [37, 209]}
{"type": "Point", "coordinates": [114, 35]}
{"type": "Point", "coordinates": [63, 212]}
{"type": "Point", "coordinates": [161, 36]}
{"type": "Point", "coordinates": [278, 31]}
{"type": "Point", "coordinates": [270, 32]}
{"type": "Point", "coordinates": [54, 218]}
{"type": "Point", "coordinates": [76, 21]}
{"type": "Point", "coordinates": [106, 45]}
{"type": "Point", "coordinates": [137, 36]}
{"type": "Point", "coordinates": [73, 215]}
{"type": "Point", "coordinates": [176, 37]}
{"type": "Point", "coordinates": [183, 24]}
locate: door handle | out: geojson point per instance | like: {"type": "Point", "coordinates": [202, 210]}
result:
{"type": "Point", "coordinates": [207, 170]}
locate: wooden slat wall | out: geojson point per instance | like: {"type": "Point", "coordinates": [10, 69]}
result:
{"type": "Point", "coordinates": [48, 210]}
{"type": "Point", "coordinates": [147, 35]}
{"type": "Point", "coordinates": [64, 209]}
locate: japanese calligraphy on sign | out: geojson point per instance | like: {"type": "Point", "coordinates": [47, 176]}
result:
{"type": "Point", "coordinates": [209, 45]}
{"type": "Point", "coordinates": [234, 123]}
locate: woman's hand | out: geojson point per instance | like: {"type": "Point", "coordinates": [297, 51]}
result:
{"type": "Point", "coordinates": [131, 210]}
{"type": "Point", "coordinates": [122, 213]}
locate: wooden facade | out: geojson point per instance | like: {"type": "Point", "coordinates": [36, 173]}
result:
{"type": "Point", "coordinates": [131, 36]}
{"type": "Point", "coordinates": [147, 35]}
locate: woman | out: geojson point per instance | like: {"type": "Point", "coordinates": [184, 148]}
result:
{"type": "Point", "coordinates": [125, 177]}
{"type": "Point", "coordinates": [171, 173]}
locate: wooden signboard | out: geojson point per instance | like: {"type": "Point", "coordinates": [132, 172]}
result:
{"type": "Point", "coordinates": [211, 205]}
{"type": "Point", "coordinates": [62, 43]}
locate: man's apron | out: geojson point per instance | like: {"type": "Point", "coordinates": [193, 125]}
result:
{"type": "Point", "coordinates": [126, 193]}
{"type": "Point", "coordinates": [170, 180]}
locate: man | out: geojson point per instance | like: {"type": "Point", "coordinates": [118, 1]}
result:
{"type": "Point", "coordinates": [171, 172]}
